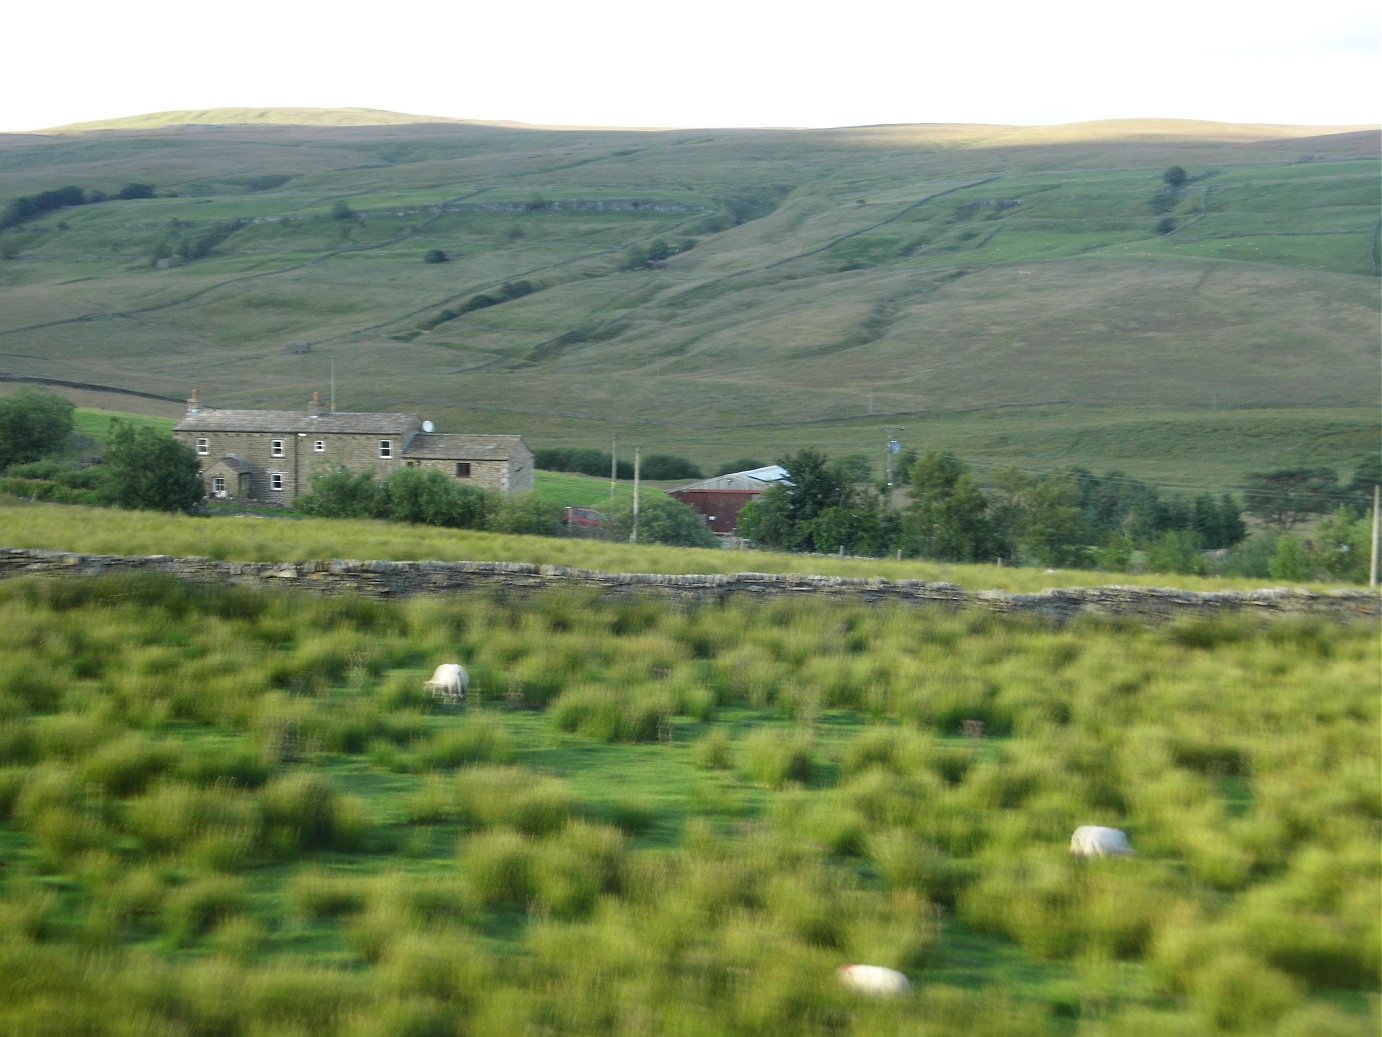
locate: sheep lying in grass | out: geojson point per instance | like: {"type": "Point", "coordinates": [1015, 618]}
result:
{"type": "Point", "coordinates": [449, 683]}
{"type": "Point", "coordinates": [1097, 841]}
{"type": "Point", "coordinates": [877, 980]}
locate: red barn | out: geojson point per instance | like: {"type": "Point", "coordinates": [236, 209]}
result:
{"type": "Point", "coordinates": [722, 498]}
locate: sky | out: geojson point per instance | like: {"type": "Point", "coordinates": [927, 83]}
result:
{"type": "Point", "coordinates": [714, 63]}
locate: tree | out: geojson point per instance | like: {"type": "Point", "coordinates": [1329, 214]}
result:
{"type": "Point", "coordinates": [434, 255]}
{"type": "Point", "coordinates": [662, 520]}
{"type": "Point", "coordinates": [743, 464]}
{"type": "Point", "coordinates": [341, 210]}
{"type": "Point", "coordinates": [668, 466]}
{"type": "Point", "coordinates": [151, 470]}
{"type": "Point", "coordinates": [782, 516]}
{"type": "Point", "coordinates": [1175, 178]}
{"type": "Point", "coordinates": [1286, 497]}
{"type": "Point", "coordinates": [1343, 543]}
{"type": "Point", "coordinates": [948, 519]}
{"type": "Point", "coordinates": [34, 423]}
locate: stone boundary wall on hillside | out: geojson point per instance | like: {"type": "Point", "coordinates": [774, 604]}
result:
{"type": "Point", "coordinates": [404, 579]}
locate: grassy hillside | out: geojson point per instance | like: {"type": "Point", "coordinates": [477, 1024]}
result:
{"type": "Point", "coordinates": [1023, 296]}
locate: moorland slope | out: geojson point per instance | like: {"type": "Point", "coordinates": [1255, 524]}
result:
{"type": "Point", "coordinates": [1036, 296]}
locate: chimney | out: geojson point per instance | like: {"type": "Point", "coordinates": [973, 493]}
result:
{"type": "Point", "coordinates": [194, 403]}
{"type": "Point", "coordinates": [315, 407]}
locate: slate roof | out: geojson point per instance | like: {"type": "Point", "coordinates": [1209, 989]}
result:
{"type": "Point", "coordinates": [436, 446]}
{"type": "Point", "coordinates": [234, 464]}
{"type": "Point", "coordinates": [293, 421]}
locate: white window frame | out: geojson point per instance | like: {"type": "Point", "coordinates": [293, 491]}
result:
{"type": "Point", "coordinates": [319, 446]}
{"type": "Point", "coordinates": [218, 485]}
{"type": "Point", "coordinates": [203, 446]}
{"type": "Point", "coordinates": [275, 448]}
{"type": "Point", "coordinates": [386, 448]}
{"type": "Point", "coordinates": [276, 481]}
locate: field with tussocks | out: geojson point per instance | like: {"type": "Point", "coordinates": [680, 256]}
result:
{"type": "Point", "coordinates": [1028, 296]}
{"type": "Point", "coordinates": [237, 812]}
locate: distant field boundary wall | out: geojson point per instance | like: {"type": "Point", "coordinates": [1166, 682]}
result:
{"type": "Point", "coordinates": [516, 579]}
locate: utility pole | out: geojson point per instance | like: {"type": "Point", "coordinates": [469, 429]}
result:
{"type": "Point", "coordinates": [633, 532]}
{"type": "Point", "coordinates": [1376, 534]}
{"type": "Point", "coordinates": [890, 447]}
{"type": "Point", "coordinates": [613, 468]}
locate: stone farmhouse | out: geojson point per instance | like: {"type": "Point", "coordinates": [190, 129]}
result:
{"type": "Point", "coordinates": [270, 456]}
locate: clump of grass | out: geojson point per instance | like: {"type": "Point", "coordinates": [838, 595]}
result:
{"type": "Point", "coordinates": [512, 797]}
{"type": "Point", "coordinates": [609, 715]}
{"type": "Point", "coordinates": [712, 750]}
{"type": "Point", "coordinates": [776, 758]}
{"type": "Point", "coordinates": [195, 908]}
{"type": "Point", "coordinates": [475, 739]}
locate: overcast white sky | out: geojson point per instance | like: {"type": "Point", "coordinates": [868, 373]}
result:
{"type": "Point", "coordinates": [714, 63]}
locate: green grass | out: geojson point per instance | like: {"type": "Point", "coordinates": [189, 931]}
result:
{"type": "Point", "coordinates": [235, 811]}
{"type": "Point", "coordinates": [266, 539]}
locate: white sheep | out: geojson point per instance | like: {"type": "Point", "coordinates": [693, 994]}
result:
{"type": "Point", "coordinates": [876, 980]}
{"type": "Point", "coordinates": [449, 682]}
{"type": "Point", "coordinates": [1097, 841]}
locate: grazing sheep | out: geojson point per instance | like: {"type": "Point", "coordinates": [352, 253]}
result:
{"type": "Point", "coordinates": [1096, 841]}
{"type": "Point", "coordinates": [876, 980]}
{"type": "Point", "coordinates": [449, 683]}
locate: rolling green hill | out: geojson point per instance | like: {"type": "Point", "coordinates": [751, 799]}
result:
{"type": "Point", "coordinates": [1018, 295]}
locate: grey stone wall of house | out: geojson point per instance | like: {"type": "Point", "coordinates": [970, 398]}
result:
{"type": "Point", "coordinates": [488, 475]}
{"type": "Point", "coordinates": [404, 579]}
{"type": "Point", "coordinates": [300, 458]}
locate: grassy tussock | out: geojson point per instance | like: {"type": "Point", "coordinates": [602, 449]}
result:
{"type": "Point", "coordinates": [236, 813]}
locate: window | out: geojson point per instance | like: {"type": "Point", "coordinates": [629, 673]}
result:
{"type": "Point", "coordinates": [276, 448]}
{"type": "Point", "coordinates": [203, 447]}
{"type": "Point", "coordinates": [218, 486]}
{"type": "Point", "coordinates": [275, 480]}
{"type": "Point", "coordinates": [462, 469]}
{"type": "Point", "coordinates": [385, 448]}
{"type": "Point", "coordinates": [319, 446]}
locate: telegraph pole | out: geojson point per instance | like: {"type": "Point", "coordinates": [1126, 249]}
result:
{"type": "Point", "coordinates": [633, 533]}
{"type": "Point", "coordinates": [890, 447]}
{"type": "Point", "coordinates": [1376, 534]}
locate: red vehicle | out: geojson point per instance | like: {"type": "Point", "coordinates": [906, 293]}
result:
{"type": "Point", "coordinates": [582, 518]}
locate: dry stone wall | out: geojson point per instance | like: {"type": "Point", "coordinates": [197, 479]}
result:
{"type": "Point", "coordinates": [404, 579]}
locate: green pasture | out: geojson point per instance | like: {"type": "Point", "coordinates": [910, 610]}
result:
{"type": "Point", "coordinates": [232, 811]}
{"type": "Point", "coordinates": [268, 539]}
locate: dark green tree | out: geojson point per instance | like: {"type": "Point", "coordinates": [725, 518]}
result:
{"type": "Point", "coordinates": [949, 519]}
{"type": "Point", "coordinates": [34, 423]}
{"type": "Point", "coordinates": [1286, 497]}
{"type": "Point", "coordinates": [151, 471]}
{"type": "Point", "coordinates": [661, 520]}
{"type": "Point", "coordinates": [782, 516]}
{"type": "Point", "coordinates": [1175, 178]}
{"type": "Point", "coordinates": [434, 255]}
{"type": "Point", "coordinates": [668, 466]}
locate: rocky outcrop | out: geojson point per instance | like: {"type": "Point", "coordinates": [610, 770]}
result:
{"type": "Point", "coordinates": [404, 579]}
